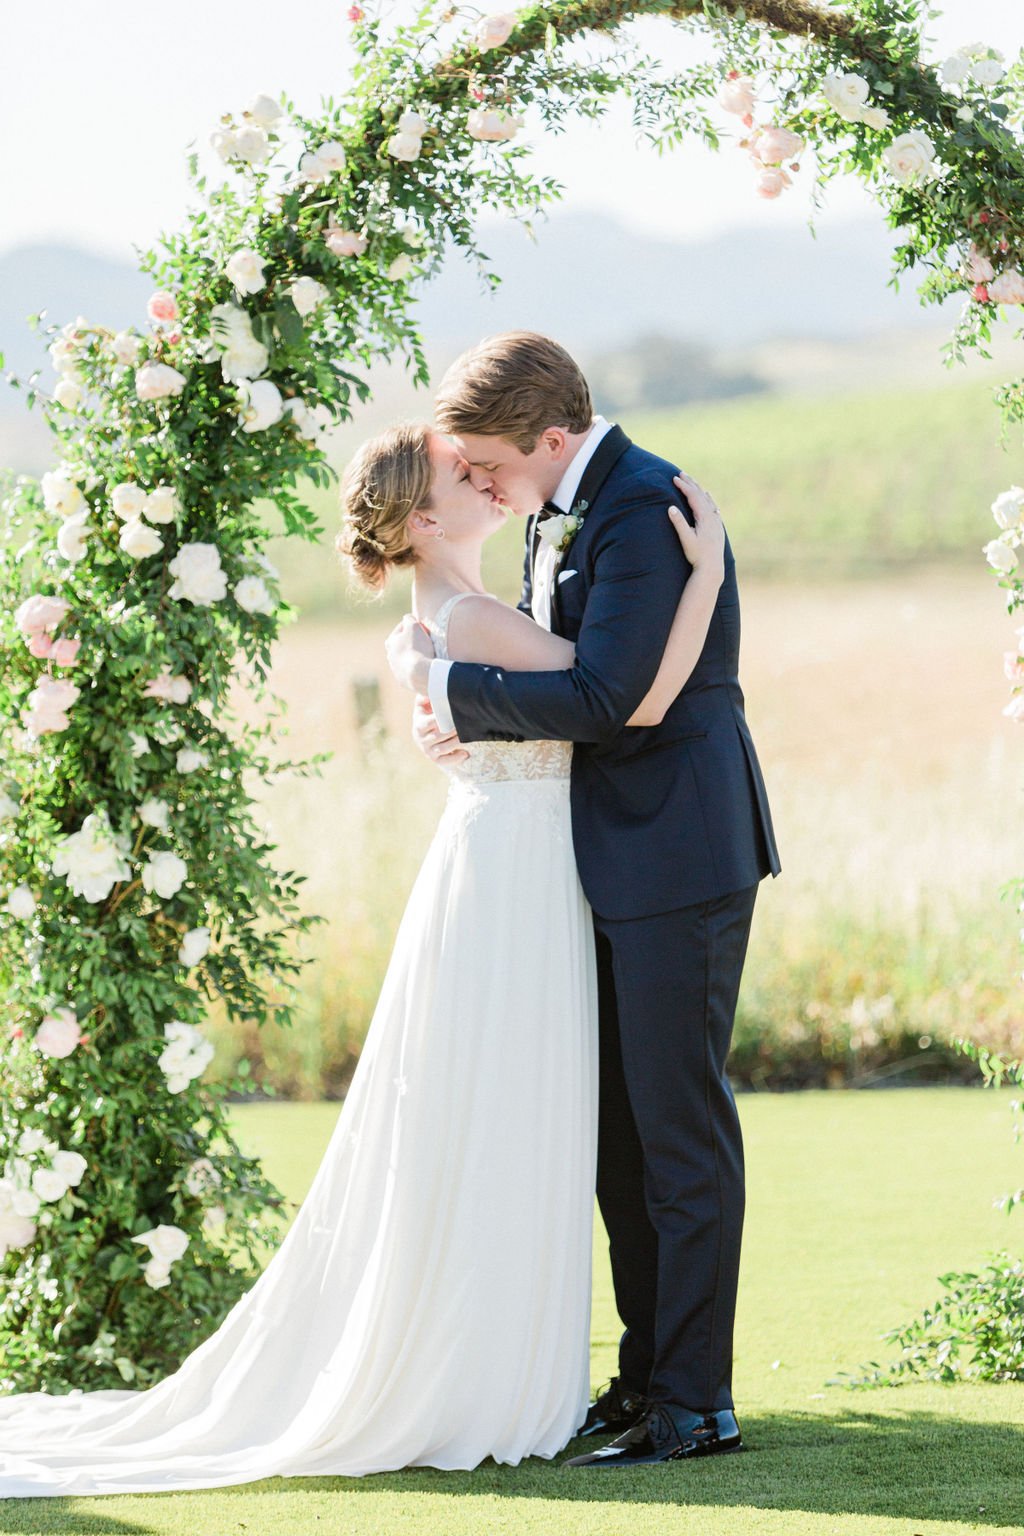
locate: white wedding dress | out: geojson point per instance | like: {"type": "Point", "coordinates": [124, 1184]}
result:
{"type": "Point", "coordinates": [430, 1304]}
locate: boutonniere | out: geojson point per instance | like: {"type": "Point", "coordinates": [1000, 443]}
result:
{"type": "Point", "coordinates": [560, 528]}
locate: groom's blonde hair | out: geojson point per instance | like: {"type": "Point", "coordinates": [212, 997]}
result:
{"type": "Point", "coordinates": [515, 386]}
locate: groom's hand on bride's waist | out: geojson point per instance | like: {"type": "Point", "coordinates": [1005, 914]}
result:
{"type": "Point", "coordinates": [410, 651]}
{"type": "Point", "coordinates": [445, 749]}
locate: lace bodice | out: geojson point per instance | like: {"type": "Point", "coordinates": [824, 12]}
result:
{"type": "Point", "coordinates": [494, 761]}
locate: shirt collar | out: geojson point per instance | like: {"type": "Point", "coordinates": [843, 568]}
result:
{"type": "Point", "coordinates": [569, 484]}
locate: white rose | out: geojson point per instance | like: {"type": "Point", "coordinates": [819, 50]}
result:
{"type": "Point", "coordinates": [165, 1243]}
{"type": "Point", "coordinates": [62, 495]}
{"type": "Point", "coordinates": [164, 874]}
{"type": "Point", "coordinates": [312, 168]}
{"type": "Point", "coordinates": [126, 348]}
{"type": "Point", "coordinates": [911, 157]}
{"type": "Point", "coordinates": [71, 538]}
{"type": "Point", "coordinates": [20, 902]}
{"type": "Point", "coordinates": [847, 94]}
{"type": "Point", "coordinates": [156, 1275]}
{"type": "Point", "coordinates": [331, 156]}
{"type": "Point", "coordinates": [264, 111]}
{"type": "Point", "coordinates": [189, 759]}
{"type": "Point", "coordinates": [64, 357]}
{"type": "Point", "coordinates": [1000, 556]}
{"type": "Point", "coordinates": [1008, 507]}
{"type": "Point", "coordinates": [876, 118]}
{"type": "Point", "coordinates": [127, 499]}
{"type": "Point", "coordinates": [344, 242]}
{"type": "Point", "coordinates": [245, 269]}
{"type": "Point", "coordinates": [494, 31]}
{"type": "Point", "coordinates": [405, 146]}
{"type": "Point", "coordinates": [139, 743]}
{"type": "Point", "coordinates": [1015, 711]}
{"type": "Point", "coordinates": [158, 381]}
{"type": "Point", "coordinates": [964, 115]}
{"type": "Point", "coordinates": [412, 122]}
{"type": "Point", "coordinates": [48, 1185]}
{"type": "Point", "coordinates": [194, 946]}
{"type": "Point", "coordinates": [15, 1231]}
{"type": "Point", "coordinates": [199, 578]}
{"type": "Point", "coordinates": [242, 356]}
{"type": "Point", "coordinates": [161, 505]}
{"type": "Point", "coordinates": [1007, 288]}
{"type": "Point", "coordinates": [956, 68]}
{"type": "Point", "coordinates": [307, 423]}
{"type": "Point", "coordinates": [70, 1166]}
{"type": "Point", "coordinates": [200, 1176]}
{"type": "Point", "coordinates": [34, 1140]}
{"type": "Point", "coordinates": [493, 125]}
{"type": "Point", "coordinates": [262, 405]}
{"type": "Point", "coordinates": [988, 71]}
{"type": "Point", "coordinates": [24, 1202]}
{"type": "Point", "coordinates": [250, 145]}
{"type": "Point", "coordinates": [400, 267]}
{"type": "Point", "coordinates": [138, 539]}
{"type": "Point", "coordinates": [253, 594]}
{"type": "Point", "coordinates": [307, 294]}
{"type": "Point", "coordinates": [58, 1034]}
{"type": "Point", "coordinates": [68, 394]}
{"type": "Point", "coordinates": [94, 859]}
{"type": "Point", "coordinates": [155, 813]}
{"type": "Point", "coordinates": [213, 1218]}
{"type": "Point", "coordinates": [553, 529]}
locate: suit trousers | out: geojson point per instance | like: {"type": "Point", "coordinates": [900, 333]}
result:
{"type": "Point", "coordinates": [670, 1153]}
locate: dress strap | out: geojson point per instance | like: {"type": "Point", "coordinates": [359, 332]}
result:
{"type": "Point", "coordinates": [438, 625]}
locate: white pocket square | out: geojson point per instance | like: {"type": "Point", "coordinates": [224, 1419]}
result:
{"type": "Point", "coordinates": [564, 575]}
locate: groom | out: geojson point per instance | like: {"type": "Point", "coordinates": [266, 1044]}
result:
{"type": "Point", "coordinates": [672, 835]}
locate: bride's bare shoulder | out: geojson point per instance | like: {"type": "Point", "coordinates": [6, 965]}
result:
{"type": "Point", "coordinates": [484, 629]}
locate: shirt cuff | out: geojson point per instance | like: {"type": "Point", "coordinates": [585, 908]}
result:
{"type": "Point", "coordinates": [437, 687]}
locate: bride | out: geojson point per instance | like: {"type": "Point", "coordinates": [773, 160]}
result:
{"type": "Point", "coordinates": [430, 1304]}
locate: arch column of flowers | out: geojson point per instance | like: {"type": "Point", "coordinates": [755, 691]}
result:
{"type": "Point", "coordinates": [135, 885]}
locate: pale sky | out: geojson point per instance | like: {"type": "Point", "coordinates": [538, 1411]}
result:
{"type": "Point", "coordinates": [100, 102]}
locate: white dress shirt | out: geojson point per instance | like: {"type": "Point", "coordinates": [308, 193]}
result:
{"type": "Point", "coordinates": [544, 569]}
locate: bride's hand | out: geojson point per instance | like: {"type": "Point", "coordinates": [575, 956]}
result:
{"type": "Point", "coordinates": [704, 543]}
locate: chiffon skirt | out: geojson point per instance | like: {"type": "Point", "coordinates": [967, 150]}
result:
{"type": "Point", "coordinates": [430, 1304]}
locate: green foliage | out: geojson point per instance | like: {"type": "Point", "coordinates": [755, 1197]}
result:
{"type": "Point", "coordinates": [76, 1306]}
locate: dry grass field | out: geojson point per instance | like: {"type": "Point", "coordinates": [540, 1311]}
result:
{"type": "Point", "coordinates": [895, 784]}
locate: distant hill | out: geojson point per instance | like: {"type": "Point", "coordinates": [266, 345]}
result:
{"type": "Point", "coordinates": [595, 284]}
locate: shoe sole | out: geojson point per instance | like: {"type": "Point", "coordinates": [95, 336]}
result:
{"type": "Point", "coordinates": [655, 1461]}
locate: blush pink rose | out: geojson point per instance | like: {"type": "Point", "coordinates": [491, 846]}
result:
{"type": "Point", "coordinates": [40, 645]}
{"type": "Point", "coordinates": [344, 242]}
{"type": "Point", "coordinates": [40, 612]}
{"type": "Point", "coordinates": [172, 689]}
{"type": "Point", "coordinates": [1007, 288]}
{"type": "Point", "coordinates": [979, 268]}
{"type": "Point", "coordinates": [65, 651]}
{"type": "Point", "coordinates": [773, 145]}
{"type": "Point", "coordinates": [773, 181]}
{"type": "Point", "coordinates": [737, 95]}
{"type": "Point", "coordinates": [58, 1034]}
{"type": "Point", "coordinates": [980, 293]}
{"type": "Point", "coordinates": [1013, 665]}
{"type": "Point", "coordinates": [162, 307]}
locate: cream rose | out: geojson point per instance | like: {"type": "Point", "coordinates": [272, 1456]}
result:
{"type": "Point", "coordinates": [155, 813]}
{"type": "Point", "coordinates": [195, 944]}
{"type": "Point", "coordinates": [911, 157]}
{"type": "Point", "coordinates": [138, 539]}
{"type": "Point", "coordinates": [71, 538]}
{"type": "Point", "coordinates": [126, 349]}
{"type": "Point", "coordinates": [128, 499]}
{"type": "Point", "coordinates": [1008, 507]}
{"type": "Point", "coordinates": [495, 31]}
{"type": "Point", "coordinates": [262, 405]}
{"type": "Point", "coordinates": [242, 356]}
{"type": "Point", "coordinates": [344, 242]}
{"type": "Point", "coordinates": [161, 505]}
{"type": "Point", "coordinates": [68, 394]}
{"type": "Point", "coordinates": [772, 145]}
{"type": "Point", "coordinates": [158, 381]}
{"type": "Point", "coordinates": [492, 125]}
{"type": "Point", "coordinates": [405, 146]}
{"type": "Point", "coordinates": [199, 577]}
{"type": "Point", "coordinates": [190, 759]}
{"type": "Point", "coordinates": [245, 269]}
{"type": "Point", "coordinates": [20, 902]}
{"type": "Point", "coordinates": [307, 294]}
{"type": "Point", "coordinates": [172, 688]}
{"type": "Point", "coordinates": [253, 595]}
{"type": "Point", "coordinates": [94, 859]}
{"type": "Point", "coordinates": [264, 111]}
{"type": "Point", "coordinates": [1000, 556]}
{"type": "Point", "coordinates": [61, 495]}
{"type": "Point", "coordinates": [847, 94]}
{"type": "Point", "coordinates": [163, 874]}
{"type": "Point", "coordinates": [69, 1166]}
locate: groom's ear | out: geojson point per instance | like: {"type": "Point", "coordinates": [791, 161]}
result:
{"type": "Point", "coordinates": [552, 441]}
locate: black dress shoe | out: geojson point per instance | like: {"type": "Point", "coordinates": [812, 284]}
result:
{"type": "Point", "coordinates": [668, 1433]}
{"type": "Point", "coordinates": [613, 1410]}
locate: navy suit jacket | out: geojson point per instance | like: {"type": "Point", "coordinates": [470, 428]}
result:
{"type": "Point", "coordinates": [663, 816]}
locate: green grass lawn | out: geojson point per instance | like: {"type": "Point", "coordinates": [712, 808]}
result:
{"type": "Point", "coordinates": [856, 1203]}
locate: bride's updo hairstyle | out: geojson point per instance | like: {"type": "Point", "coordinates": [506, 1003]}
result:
{"type": "Point", "coordinates": [389, 479]}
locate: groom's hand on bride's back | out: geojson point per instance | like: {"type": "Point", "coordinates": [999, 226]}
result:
{"type": "Point", "coordinates": [445, 750]}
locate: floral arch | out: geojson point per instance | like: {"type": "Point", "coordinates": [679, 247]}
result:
{"type": "Point", "coordinates": [134, 884]}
